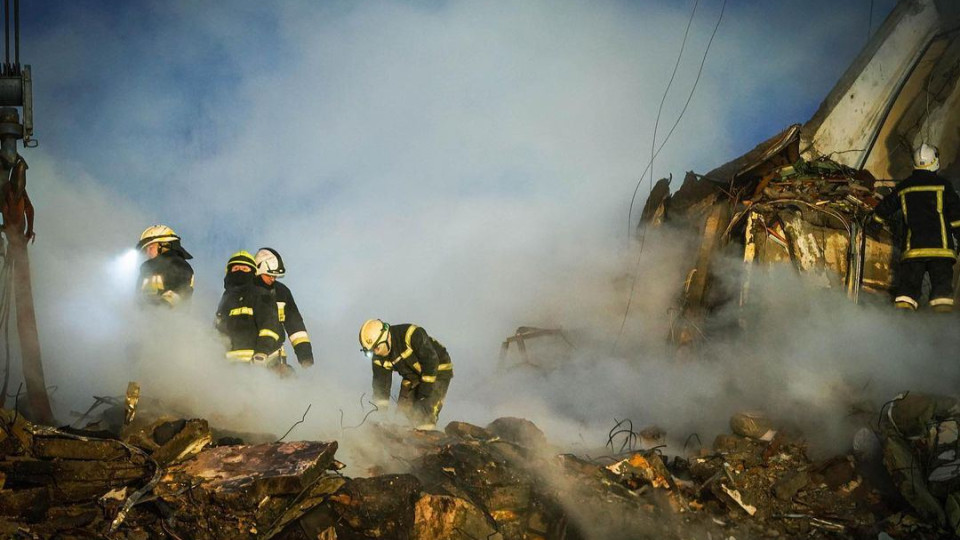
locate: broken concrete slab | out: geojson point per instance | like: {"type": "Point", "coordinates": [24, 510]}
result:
{"type": "Point", "coordinates": [464, 430]}
{"type": "Point", "coordinates": [192, 437]}
{"type": "Point", "coordinates": [63, 448]}
{"type": "Point", "coordinates": [250, 473]}
{"type": "Point", "coordinates": [445, 516]}
{"type": "Point", "coordinates": [519, 431]}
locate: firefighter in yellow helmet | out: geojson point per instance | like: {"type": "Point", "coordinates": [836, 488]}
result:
{"type": "Point", "coordinates": [166, 278]}
{"type": "Point", "coordinates": [929, 208]}
{"type": "Point", "coordinates": [422, 362]}
{"type": "Point", "coordinates": [247, 315]}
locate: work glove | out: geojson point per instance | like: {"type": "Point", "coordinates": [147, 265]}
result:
{"type": "Point", "coordinates": [306, 361]}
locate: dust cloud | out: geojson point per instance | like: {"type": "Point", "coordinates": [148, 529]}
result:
{"type": "Point", "coordinates": [463, 166]}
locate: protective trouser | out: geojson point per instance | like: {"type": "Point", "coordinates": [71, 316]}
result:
{"type": "Point", "coordinates": [422, 411]}
{"type": "Point", "coordinates": [910, 287]}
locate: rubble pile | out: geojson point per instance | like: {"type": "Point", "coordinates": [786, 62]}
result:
{"type": "Point", "coordinates": [169, 478]}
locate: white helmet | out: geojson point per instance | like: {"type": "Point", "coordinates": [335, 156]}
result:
{"type": "Point", "coordinates": [927, 158]}
{"type": "Point", "coordinates": [269, 263]}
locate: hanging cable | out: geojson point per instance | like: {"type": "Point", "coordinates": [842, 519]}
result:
{"type": "Point", "coordinates": [666, 91]}
{"type": "Point", "coordinates": [643, 236]}
{"type": "Point", "coordinates": [682, 111]}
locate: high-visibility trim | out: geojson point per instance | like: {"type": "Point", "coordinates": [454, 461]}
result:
{"type": "Point", "coordinates": [416, 367]}
{"type": "Point", "coordinates": [943, 224]}
{"type": "Point", "coordinates": [387, 365]}
{"type": "Point", "coordinates": [378, 363]}
{"type": "Point", "coordinates": [282, 310]}
{"type": "Point", "coordinates": [955, 224]}
{"type": "Point", "coordinates": [266, 332]}
{"type": "Point", "coordinates": [903, 207]}
{"type": "Point", "coordinates": [152, 284]}
{"type": "Point", "coordinates": [445, 367]}
{"type": "Point", "coordinates": [917, 253]}
{"type": "Point", "coordinates": [878, 219]}
{"type": "Point", "coordinates": [428, 378]}
{"type": "Point", "coordinates": [905, 302]}
{"type": "Point", "coordinates": [240, 355]}
{"type": "Point", "coordinates": [299, 337]}
{"type": "Point", "coordinates": [408, 340]}
{"type": "Point", "coordinates": [941, 302]}
{"type": "Point", "coordinates": [910, 253]}
{"type": "Point", "coordinates": [381, 403]}
{"type": "Point", "coordinates": [236, 312]}
{"type": "Point", "coordinates": [915, 189]}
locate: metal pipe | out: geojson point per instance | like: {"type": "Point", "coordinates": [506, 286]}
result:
{"type": "Point", "coordinates": [16, 33]}
{"type": "Point", "coordinates": [6, 32]}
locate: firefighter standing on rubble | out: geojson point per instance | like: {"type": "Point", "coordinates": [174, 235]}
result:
{"type": "Point", "coordinates": [270, 267]}
{"type": "Point", "coordinates": [247, 315]}
{"type": "Point", "coordinates": [166, 278]}
{"type": "Point", "coordinates": [422, 362]}
{"type": "Point", "coordinates": [931, 215]}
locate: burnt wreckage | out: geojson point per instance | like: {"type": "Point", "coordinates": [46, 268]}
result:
{"type": "Point", "coordinates": [801, 197]}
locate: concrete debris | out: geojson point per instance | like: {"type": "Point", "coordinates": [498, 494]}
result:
{"type": "Point", "coordinates": [167, 479]}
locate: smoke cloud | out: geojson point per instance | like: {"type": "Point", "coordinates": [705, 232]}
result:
{"type": "Point", "coordinates": [463, 166]}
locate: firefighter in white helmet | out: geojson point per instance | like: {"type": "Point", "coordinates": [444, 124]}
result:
{"type": "Point", "coordinates": [166, 278]}
{"type": "Point", "coordinates": [269, 269]}
{"type": "Point", "coordinates": [929, 208]}
{"type": "Point", "coordinates": [421, 361]}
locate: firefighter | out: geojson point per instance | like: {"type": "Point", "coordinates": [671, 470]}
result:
{"type": "Point", "coordinates": [246, 315]}
{"type": "Point", "coordinates": [930, 211]}
{"type": "Point", "coordinates": [166, 277]}
{"type": "Point", "coordinates": [269, 269]}
{"type": "Point", "coordinates": [421, 361]}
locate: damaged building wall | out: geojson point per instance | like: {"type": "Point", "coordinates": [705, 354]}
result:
{"type": "Point", "coordinates": [853, 112]}
{"type": "Point", "coordinates": [802, 196]}
{"type": "Point", "coordinates": [900, 91]}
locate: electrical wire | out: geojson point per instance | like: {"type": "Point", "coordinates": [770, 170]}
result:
{"type": "Point", "coordinates": [679, 117]}
{"type": "Point", "coordinates": [636, 273]}
{"type": "Point", "coordinates": [666, 91]}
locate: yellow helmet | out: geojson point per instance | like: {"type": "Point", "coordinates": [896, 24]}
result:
{"type": "Point", "coordinates": [375, 338]}
{"type": "Point", "coordinates": [157, 234]}
{"type": "Point", "coordinates": [243, 258]}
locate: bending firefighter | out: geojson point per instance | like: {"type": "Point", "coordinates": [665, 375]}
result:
{"type": "Point", "coordinates": [930, 211]}
{"type": "Point", "coordinates": [421, 361]}
{"type": "Point", "coordinates": [165, 277]}
{"type": "Point", "coordinates": [247, 315]}
{"type": "Point", "coordinates": [269, 269]}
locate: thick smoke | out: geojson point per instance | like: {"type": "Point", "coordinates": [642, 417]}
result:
{"type": "Point", "coordinates": [464, 166]}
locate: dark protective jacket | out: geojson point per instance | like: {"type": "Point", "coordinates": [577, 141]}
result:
{"type": "Point", "coordinates": [416, 356]}
{"type": "Point", "coordinates": [166, 279]}
{"type": "Point", "coordinates": [290, 319]}
{"type": "Point", "coordinates": [247, 315]}
{"type": "Point", "coordinates": [930, 210]}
